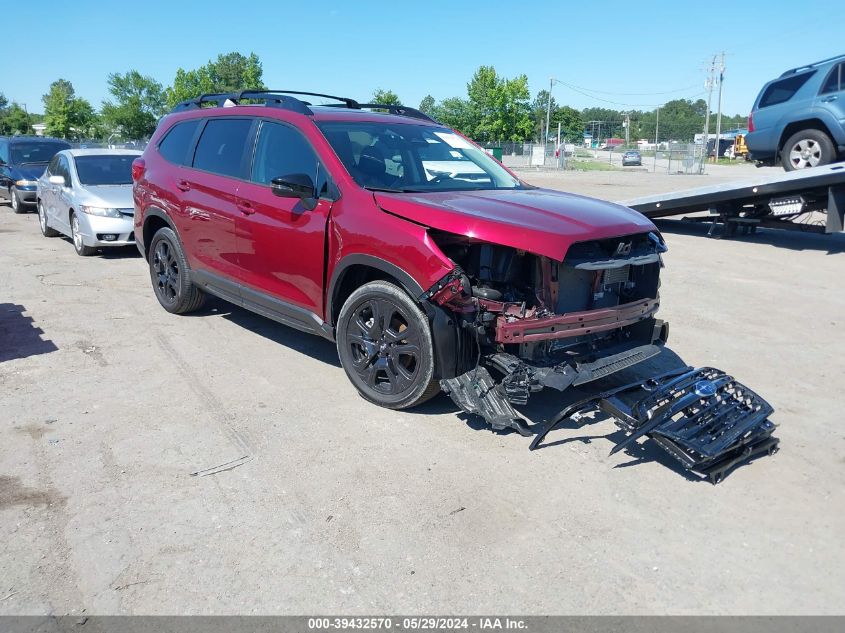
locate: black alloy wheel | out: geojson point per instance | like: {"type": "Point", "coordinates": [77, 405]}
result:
{"type": "Point", "coordinates": [385, 347]}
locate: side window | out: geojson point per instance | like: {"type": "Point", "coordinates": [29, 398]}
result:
{"type": "Point", "coordinates": [64, 171]}
{"type": "Point", "coordinates": [53, 166]}
{"type": "Point", "coordinates": [177, 142]}
{"type": "Point", "coordinates": [221, 147]}
{"type": "Point", "coordinates": [4, 151]}
{"type": "Point", "coordinates": [282, 151]}
{"type": "Point", "coordinates": [835, 80]}
{"type": "Point", "coordinates": [783, 90]}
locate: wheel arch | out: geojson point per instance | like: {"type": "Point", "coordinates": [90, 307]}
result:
{"type": "Point", "coordinates": [805, 124]}
{"type": "Point", "coordinates": [357, 269]}
{"type": "Point", "coordinates": [154, 220]}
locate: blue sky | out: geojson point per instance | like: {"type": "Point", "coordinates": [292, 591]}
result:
{"type": "Point", "coordinates": [630, 51]}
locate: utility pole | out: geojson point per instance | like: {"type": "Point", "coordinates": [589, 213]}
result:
{"type": "Point", "coordinates": [656, 136]}
{"type": "Point", "coordinates": [627, 129]}
{"type": "Point", "coordinates": [708, 85]}
{"type": "Point", "coordinates": [719, 115]}
{"type": "Point", "coordinates": [548, 112]}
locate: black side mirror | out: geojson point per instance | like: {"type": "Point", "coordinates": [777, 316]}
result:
{"type": "Point", "coordinates": [295, 186]}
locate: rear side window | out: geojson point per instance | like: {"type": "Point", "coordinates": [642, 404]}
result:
{"type": "Point", "coordinates": [783, 90]}
{"type": "Point", "coordinates": [174, 148]}
{"type": "Point", "coordinates": [221, 147]}
{"type": "Point", "coordinates": [835, 80]}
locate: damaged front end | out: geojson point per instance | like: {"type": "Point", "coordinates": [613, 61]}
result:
{"type": "Point", "coordinates": [525, 322]}
{"type": "Point", "coordinates": [509, 323]}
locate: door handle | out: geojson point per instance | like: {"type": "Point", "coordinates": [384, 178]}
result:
{"type": "Point", "coordinates": [829, 99]}
{"type": "Point", "coordinates": [183, 185]}
{"type": "Point", "coordinates": [245, 207]}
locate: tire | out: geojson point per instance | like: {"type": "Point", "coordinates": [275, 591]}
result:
{"type": "Point", "coordinates": [78, 244]}
{"type": "Point", "coordinates": [170, 275]}
{"type": "Point", "coordinates": [385, 348]}
{"type": "Point", "coordinates": [46, 230]}
{"type": "Point", "coordinates": [15, 201]}
{"type": "Point", "coordinates": [807, 148]}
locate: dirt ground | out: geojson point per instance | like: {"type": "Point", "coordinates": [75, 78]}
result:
{"type": "Point", "coordinates": [109, 405]}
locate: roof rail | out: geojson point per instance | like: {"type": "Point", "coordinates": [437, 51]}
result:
{"type": "Point", "coordinates": [797, 69]}
{"type": "Point", "coordinates": [282, 99]}
{"type": "Point", "coordinates": [400, 110]}
{"type": "Point", "coordinates": [224, 99]}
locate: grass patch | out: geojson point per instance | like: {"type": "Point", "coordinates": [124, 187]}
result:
{"type": "Point", "coordinates": [592, 165]}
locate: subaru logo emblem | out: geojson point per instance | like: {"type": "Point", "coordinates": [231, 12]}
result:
{"type": "Point", "coordinates": [705, 388]}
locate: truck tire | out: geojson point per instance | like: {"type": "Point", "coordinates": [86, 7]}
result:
{"type": "Point", "coordinates": [807, 148]}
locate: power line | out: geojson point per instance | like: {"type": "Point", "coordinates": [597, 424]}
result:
{"type": "Point", "coordinates": [631, 94]}
{"type": "Point", "coordinates": [630, 105]}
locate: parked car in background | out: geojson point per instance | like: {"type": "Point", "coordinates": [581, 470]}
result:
{"type": "Point", "coordinates": [333, 220]}
{"type": "Point", "coordinates": [799, 118]}
{"type": "Point", "coordinates": [86, 194]}
{"type": "Point", "coordinates": [22, 161]}
{"type": "Point", "coordinates": [632, 157]}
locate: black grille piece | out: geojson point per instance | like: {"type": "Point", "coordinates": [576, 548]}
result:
{"type": "Point", "coordinates": [703, 418]}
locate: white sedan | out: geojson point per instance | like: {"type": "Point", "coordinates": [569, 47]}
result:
{"type": "Point", "coordinates": [86, 194]}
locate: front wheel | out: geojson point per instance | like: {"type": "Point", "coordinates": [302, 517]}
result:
{"type": "Point", "coordinates": [385, 348]}
{"type": "Point", "coordinates": [807, 148]}
{"type": "Point", "coordinates": [17, 205]}
{"type": "Point", "coordinates": [81, 249]}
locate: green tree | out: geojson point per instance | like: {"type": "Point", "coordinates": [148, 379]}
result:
{"type": "Point", "coordinates": [499, 107]}
{"type": "Point", "coordinates": [16, 120]}
{"type": "Point", "coordinates": [427, 105]}
{"type": "Point", "coordinates": [228, 73]}
{"type": "Point", "coordinates": [65, 114]}
{"type": "Point", "coordinates": [386, 97]}
{"type": "Point", "coordinates": [571, 124]}
{"type": "Point", "coordinates": [455, 113]}
{"type": "Point", "coordinates": [138, 102]}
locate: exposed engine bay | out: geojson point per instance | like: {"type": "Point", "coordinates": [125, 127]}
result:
{"type": "Point", "coordinates": [509, 323]}
{"type": "Point", "coordinates": [535, 322]}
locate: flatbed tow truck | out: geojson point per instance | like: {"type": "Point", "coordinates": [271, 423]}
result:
{"type": "Point", "coordinates": [794, 201]}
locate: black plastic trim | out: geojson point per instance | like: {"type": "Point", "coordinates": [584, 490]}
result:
{"type": "Point", "coordinates": [408, 283]}
{"type": "Point", "coordinates": [263, 304]}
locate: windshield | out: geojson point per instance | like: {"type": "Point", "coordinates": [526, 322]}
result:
{"type": "Point", "coordinates": [33, 153]}
{"type": "Point", "coordinates": [104, 170]}
{"type": "Point", "coordinates": [413, 158]}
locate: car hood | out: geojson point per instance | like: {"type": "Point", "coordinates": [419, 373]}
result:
{"type": "Point", "coordinates": [28, 172]}
{"type": "Point", "coordinates": [540, 221]}
{"type": "Point", "coordinates": [116, 196]}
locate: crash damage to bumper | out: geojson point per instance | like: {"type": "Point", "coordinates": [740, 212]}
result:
{"type": "Point", "coordinates": [520, 323]}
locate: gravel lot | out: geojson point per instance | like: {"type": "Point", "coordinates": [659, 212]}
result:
{"type": "Point", "coordinates": [109, 404]}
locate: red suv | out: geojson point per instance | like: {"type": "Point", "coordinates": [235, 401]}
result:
{"type": "Point", "coordinates": [429, 263]}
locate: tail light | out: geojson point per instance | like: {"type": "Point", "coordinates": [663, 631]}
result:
{"type": "Point", "coordinates": [751, 122]}
{"type": "Point", "coordinates": [138, 166]}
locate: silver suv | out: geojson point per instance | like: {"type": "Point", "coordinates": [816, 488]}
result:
{"type": "Point", "coordinates": [799, 118]}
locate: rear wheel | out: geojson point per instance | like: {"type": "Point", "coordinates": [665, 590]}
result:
{"type": "Point", "coordinates": [385, 348]}
{"type": "Point", "coordinates": [46, 230]}
{"type": "Point", "coordinates": [171, 276]}
{"type": "Point", "coordinates": [807, 148]}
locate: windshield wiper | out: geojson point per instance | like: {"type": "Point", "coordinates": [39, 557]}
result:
{"type": "Point", "coordinates": [35, 162]}
{"type": "Point", "coordinates": [388, 190]}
